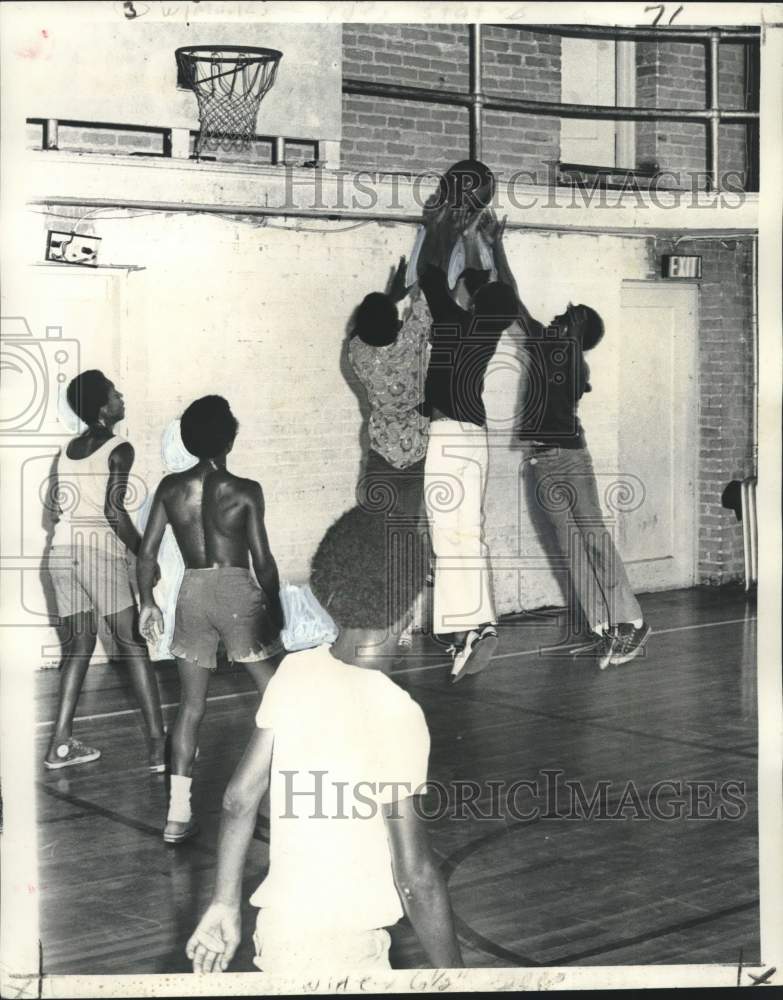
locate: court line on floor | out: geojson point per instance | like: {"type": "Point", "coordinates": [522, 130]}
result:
{"type": "Point", "coordinates": [729, 911]}
{"type": "Point", "coordinates": [137, 824]}
{"type": "Point", "coordinates": [596, 723]}
{"type": "Point", "coordinates": [574, 645]}
{"type": "Point", "coordinates": [134, 711]}
{"type": "Point", "coordinates": [404, 670]}
{"type": "Point", "coordinates": [113, 815]}
{"type": "Point", "coordinates": [451, 863]}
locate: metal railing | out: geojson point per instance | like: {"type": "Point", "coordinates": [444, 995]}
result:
{"type": "Point", "coordinates": [476, 100]}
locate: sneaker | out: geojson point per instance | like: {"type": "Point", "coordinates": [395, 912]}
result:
{"type": "Point", "coordinates": [70, 752]}
{"type": "Point", "coordinates": [592, 648]}
{"type": "Point", "coordinates": [405, 639]}
{"type": "Point", "coordinates": [175, 832]}
{"type": "Point", "coordinates": [629, 642]}
{"type": "Point", "coordinates": [606, 647]}
{"type": "Point", "coordinates": [475, 653]}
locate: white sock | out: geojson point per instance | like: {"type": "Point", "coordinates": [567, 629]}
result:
{"type": "Point", "coordinates": [179, 802]}
{"type": "Point", "coordinates": [600, 628]}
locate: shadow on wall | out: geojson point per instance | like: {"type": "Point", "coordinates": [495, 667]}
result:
{"type": "Point", "coordinates": [353, 383]}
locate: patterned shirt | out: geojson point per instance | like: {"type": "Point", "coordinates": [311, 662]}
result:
{"type": "Point", "coordinates": [393, 377]}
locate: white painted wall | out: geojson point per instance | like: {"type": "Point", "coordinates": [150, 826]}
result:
{"type": "Point", "coordinates": [258, 313]}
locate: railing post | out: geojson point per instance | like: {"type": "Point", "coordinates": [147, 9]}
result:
{"type": "Point", "coordinates": [476, 95]}
{"type": "Point", "coordinates": [176, 143]}
{"type": "Point", "coordinates": [51, 133]}
{"type": "Point", "coordinates": [713, 123]}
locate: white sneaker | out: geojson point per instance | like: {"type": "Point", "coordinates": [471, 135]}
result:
{"type": "Point", "coordinates": [476, 652]}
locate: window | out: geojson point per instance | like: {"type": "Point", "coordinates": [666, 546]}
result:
{"type": "Point", "coordinates": [598, 71]}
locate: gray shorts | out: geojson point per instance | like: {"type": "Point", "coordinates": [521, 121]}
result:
{"type": "Point", "coordinates": [89, 578]}
{"type": "Point", "coordinates": [223, 603]}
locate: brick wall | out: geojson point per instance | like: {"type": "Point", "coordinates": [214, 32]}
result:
{"type": "Point", "coordinates": [520, 64]}
{"type": "Point", "coordinates": [391, 135]}
{"type": "Point", "coordinates": [83, 138]}
{"type": "Point", "coordinates": [725, 399]}
{"type": "Point", "coordinates": [387, 135]}
{"type": "Point", "coordinates": [673, 75]}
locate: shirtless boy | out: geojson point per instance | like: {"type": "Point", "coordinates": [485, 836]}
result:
{"type": "Point", "coordinates": [218, 522]}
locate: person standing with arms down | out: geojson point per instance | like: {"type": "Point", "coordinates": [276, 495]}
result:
{"type": "Point", "coordinates": [463, 341]}
{"type": "Point", "coordinates": [89, 570]}
{"type": "Point", "coordinates": [344, 753]}
{"type": "Point", "coordinates": [218, 522]}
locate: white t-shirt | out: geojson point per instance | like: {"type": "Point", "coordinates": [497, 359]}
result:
{"type": "Point", "coordinates": [368, 744]}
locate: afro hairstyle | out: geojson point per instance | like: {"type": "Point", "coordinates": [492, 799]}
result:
{"type": "Point", "coordinates": [366, 572]}
{"type": "Point", "coordinates": [592, 327]}
{"type": "Point", "coordinates": [376, 320]}
{"type": "Point", "coordinates": [208, 427]}
{"type": "Point", "coordinates": [87, 394]}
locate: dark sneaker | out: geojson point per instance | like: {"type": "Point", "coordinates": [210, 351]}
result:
{"type": "Point", "coordinates": [601, 648]}
{"type": "Point", "coordinates": [476, 652]}
{"type": "Point", "coordinates": [175, 832]}
{"type": "Point", "coordinates": [628, 643]}
{"type": "Point", "coordinates": [70, 752]}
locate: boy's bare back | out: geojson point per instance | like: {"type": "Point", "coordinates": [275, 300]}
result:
{"type": "Point", "coordinates": [209, 510]}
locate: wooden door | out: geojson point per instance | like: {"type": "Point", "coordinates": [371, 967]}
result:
{"type": "Point", "coordinates": [658, 392]}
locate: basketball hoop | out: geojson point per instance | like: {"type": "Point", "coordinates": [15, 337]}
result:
{"type": "Point", "coordinates": [229, 83]}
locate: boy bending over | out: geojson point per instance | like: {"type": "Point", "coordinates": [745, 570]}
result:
{"type": "Point", "coordinates": [344, 753]}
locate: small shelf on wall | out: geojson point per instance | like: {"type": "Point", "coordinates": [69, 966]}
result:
{"type": "Point", "coordinates": [84, 268]}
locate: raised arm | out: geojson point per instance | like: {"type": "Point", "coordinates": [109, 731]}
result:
{"type": "Point", "coordinates": [215, 940]}
{"type": "Point", "coordinates": [447, 315]}
{"type": "Point", "coordinates": [263, 561]}
{"type": "Point", "coordinates": [397, 288]}
{"type": "Point", "coordinates": [120, 464]}
{"type": "Point", "coordinates": [494, 231]}
{"type": "Point", "coordinates": [421, 886]}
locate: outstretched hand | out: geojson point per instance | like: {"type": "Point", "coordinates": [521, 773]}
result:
{"type": "Point", "coordinates": [492, 227]}
{"type": "Point", "coordinates": [214, 942]}
{"type": "Point", "coordinates": [396, 288]}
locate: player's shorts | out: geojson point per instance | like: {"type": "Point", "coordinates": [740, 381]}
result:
{"type": "Point", "coordinates": [87, 578]}
{"type": "Point", "coordinates": [222, 603]}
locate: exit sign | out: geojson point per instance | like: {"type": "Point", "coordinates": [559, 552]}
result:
{"type": "Point", "coordinates": [678, 266]}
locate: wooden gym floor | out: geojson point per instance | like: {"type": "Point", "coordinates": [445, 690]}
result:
{"type": "Point", "coordinates": [532, 891]}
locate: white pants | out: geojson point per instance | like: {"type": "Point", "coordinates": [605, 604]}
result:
{"type": "Point", "coordinates": [285, 950]}
{"type": "Point", "coordinates": [455, 478]}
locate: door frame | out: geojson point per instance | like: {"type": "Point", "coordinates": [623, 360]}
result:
{"type": "Point", "coordinates": [687, 394]}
